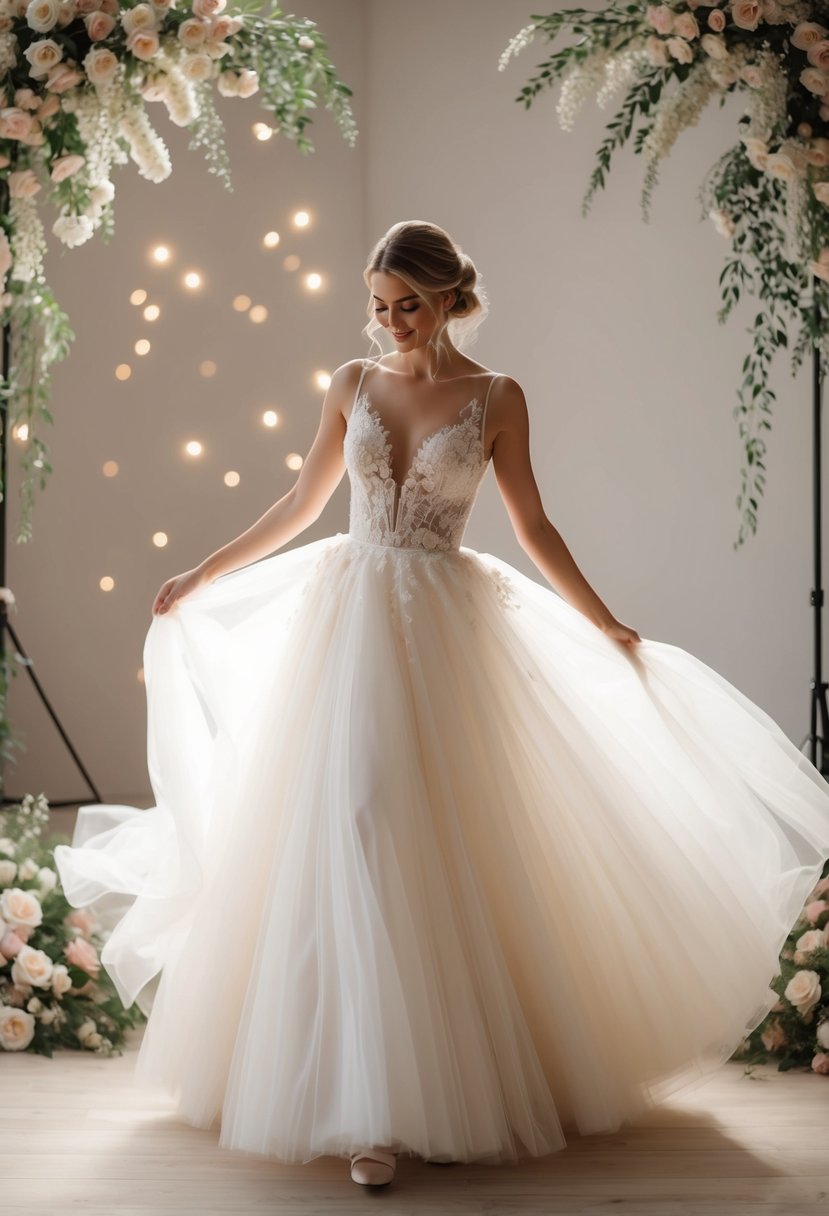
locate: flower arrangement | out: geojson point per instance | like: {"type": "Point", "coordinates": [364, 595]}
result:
{"type": "Point", "coordinates": [796, 1029]}
{"type": "Point", "coordinates": [53, 990]}
{"type": "Point", "coordinates": [75, 79]}
{"type": "Point", "coordinates": [768, 194]}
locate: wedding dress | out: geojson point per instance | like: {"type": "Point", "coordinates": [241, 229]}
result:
{"type": "Point", "coordinates": [435, 863]}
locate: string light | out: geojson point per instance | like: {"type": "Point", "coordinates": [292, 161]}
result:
{"type": "Point", "coordinates": [151, 312]}
{"type": "Point", "coordinates": [106, 583]}
{"type": "Point", "coordinates": [301, 219]}
{"type": "Point", "coordinates": [270, 417]}
{"type": "Point", "coordinates": [313, 281]}
{"type": "Point", "coordinates": [193, 448]}
{"type": "Point", "coordinates": [123, 371]}
{"type": "Point", "coordinates": [241, 303]}
{"type": "Point", "coordinates": [142, 346]}
{"type": "Point", "coordinates": [293, 460]}
{"type": "Point", "coordinates": [262, 131]}
{"type": "Point", "coordinates": [161, 254]}
{"type": "Point", "coordinates": [291, 262]}
{"type": "Point", "coordinates": [138, 296]}
{"type": "Point", "coordinates": [21, 432]}
{"type": "Point", "coordinates": [110, 468]}
{"type": "Point", "coordinates": [207, 368]}
{"type": "Point", "coordinates": [192, 279]}
{"type": "Point", "coordinates": [258, 314]}
{"type": "Point", "coordinates": [322, 379]}
{"type": "Point", "coordinates": [232, 478]}
{"type": "Point", "coordinates": [159, 539]}
{"type": "Point", "coordinates": [270, 240]}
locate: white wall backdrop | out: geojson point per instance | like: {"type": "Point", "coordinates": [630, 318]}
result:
{"type": "Point", "coordinates": [607, 322]}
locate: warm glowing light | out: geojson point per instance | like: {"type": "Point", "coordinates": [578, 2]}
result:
{"type": "Point", "coordinates": [301, 219]}
{"type": "Point", "coordinates": [192, 279]}
{"type": "Point", "coordinates": [159, 539]}
{"type": "Point", "coordinates": [106, 583]}
{"type": "Point", "coordinates": [151, 312]}
{"type": "Point", "coordinates": [270, 240]}
{"type": "Point", "coordinates": [123, 371]}
{"type": "Point", "coordinates": [322, 379]}
{"type": "Point", "coordinates": [161, 254]}
{"type": "Point", "coordinates": [21, 432]}
{"type": "Point", "coordinates": [270, 418]}
{"type": "Point", "coordinates": [242, 303]}
{"type": "Point", "coordinates": [110, 468]}
{"type": "Point", "coordinates": [232, 478]}
{"type": "Point", "coordinates": [293, 460]}
{"type": "Point", "coordinates": [193, 447]}
{"type": "Point", "coordinates": [291, 262]}
{"type": "Point", "coordinates": [262, 131]}
{"type": "Point", "coordinates": [139, 675]}
{"type": "Point", "coordinates": [313, 281]}
{"type": "Point", "coordinates": [258, 314]}
{"type": "Point", "coordinates": [142, 346]}
{"type": "Point", "coordinates": [138, 296]}
{"type": "Point", "coordinates": [207, 368]}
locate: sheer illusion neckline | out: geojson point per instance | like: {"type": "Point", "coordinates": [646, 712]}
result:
{"type": "Point", "coordinates": [364, 401]}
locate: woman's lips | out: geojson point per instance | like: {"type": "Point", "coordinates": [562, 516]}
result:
{"type": "Point", "coordinates": [400, 337]}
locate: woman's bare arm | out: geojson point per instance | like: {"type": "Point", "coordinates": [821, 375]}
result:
{"type": "Point", "coordinates": [534, 531]}
{"type": "Point", "coordinates": [321, 473]}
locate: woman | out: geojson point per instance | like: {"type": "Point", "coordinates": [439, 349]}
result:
{"type": "Point", "coordinates": [420, 820]}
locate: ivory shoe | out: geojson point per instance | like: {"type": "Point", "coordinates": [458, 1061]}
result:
{"type": "Point", "coordinates": [373, 1167]}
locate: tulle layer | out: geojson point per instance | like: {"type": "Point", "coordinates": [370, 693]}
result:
{"type": "Point", "coordinates": [435, 863]}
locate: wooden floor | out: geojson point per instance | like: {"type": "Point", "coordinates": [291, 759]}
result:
{"type": "Point", "coordinates": [75, 1137]}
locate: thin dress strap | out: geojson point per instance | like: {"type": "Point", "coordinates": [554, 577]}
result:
{"type": "Point", "coordinates": [495, 376]}
{"type": "Point", "coordinates": [366, 364]}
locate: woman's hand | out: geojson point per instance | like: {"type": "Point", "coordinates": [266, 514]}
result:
{"type": "Point", "coordinates": [177, 587]}
{"type": "Point", "coordinates": [622, 633]}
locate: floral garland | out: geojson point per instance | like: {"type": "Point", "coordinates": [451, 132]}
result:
{"type": "Point", "coordinates": [53, 990]}
{"type": "Point", "coordinates": [768, 195]}
{"type": "Point", "coordinates": [75, 76]}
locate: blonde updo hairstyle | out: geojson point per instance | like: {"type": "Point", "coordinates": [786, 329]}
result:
{"type": "Point", "coordinates": [425, 257]}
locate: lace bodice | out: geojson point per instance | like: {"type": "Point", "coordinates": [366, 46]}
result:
{"type": "Point", "coordinates": [431, 507]}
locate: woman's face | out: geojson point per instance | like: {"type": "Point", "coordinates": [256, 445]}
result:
{"type": "Point", "coordinates": [405, 315]}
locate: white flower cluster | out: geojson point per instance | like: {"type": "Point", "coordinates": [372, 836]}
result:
{"type": "Point", "coordinates": [619, 71]}
{"type": "Point", "coordinates": [680, 109]}
{"type": "Point", "coordinates": [579, 82]}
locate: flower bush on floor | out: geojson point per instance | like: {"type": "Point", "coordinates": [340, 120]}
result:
{"type": "Point", "coordinates": [53, 990]}
{"type": "Point", "coordinates": [767, 195]}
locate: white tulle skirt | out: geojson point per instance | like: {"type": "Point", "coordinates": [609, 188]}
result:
{"type": "Point", "coordinates": [435, 863]}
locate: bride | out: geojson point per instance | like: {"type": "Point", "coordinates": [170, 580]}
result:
{"type": "Point", "coordinates": [443, 860]}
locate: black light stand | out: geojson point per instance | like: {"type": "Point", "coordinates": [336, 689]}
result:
{"type": "Point", "coordinates": [818, 685]}
{"type": "Point", "coordinates": [5, 624]}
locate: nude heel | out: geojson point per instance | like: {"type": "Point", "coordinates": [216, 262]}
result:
{"type": "Point", "coordinates": [373, 1167]}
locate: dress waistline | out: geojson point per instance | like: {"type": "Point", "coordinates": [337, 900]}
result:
{"type": "Point", "coordinates": [357, 540]}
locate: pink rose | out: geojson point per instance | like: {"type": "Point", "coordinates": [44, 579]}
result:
{"type": "Point", "coordinates": [716, 21]}
{"type": "Point", "coordinates": [774, 1036]}
{"type": "Point", "coordinates": [144, 44]}
{"type": "Point", "coordinates": [99, 25]}
{"type": "Point", "coordinates": [208, 8]}
{"type": "Point", "coordinates": [87, 6]}
{"type": "Point", "coordinates": [100, 64]}
{"type": "Point", "coordinates": [49, 107]}
{"type": "Point", "coordinates": [746, 14]}
{"type": "Point", "coordinates": [10, 944]}
{"type": "Point", "coordinates": [66, 166]}
{"type": "Point", "coordinates": [26, 99]}
{"type": "Point", "coordinates": [679, 49]}
{"type": "Point", "coordinates": [63, 77]}
{"type": "Point", "coordinates": [83, 919]}
{"type": "Point", "coordinates": [823, 886]}
{"type": "Point", "coordinates": [14, 123]}
{"type": "Point", "coordinates": [661, 18]}
{"type": "Point", "coordinates": [83, 954]}
{"type": "Point", "coordinates": [815, 81]}
{"type": "Point", "coordinates": [806, 33]}
{"type": "Point", "coordinates": [686, 26]}
{"type": "Point", "coordinates": [813, 910]}
{"type": "Point", "coordinates": [818, 54]}
{"type": "Point", "coordinates": [820, 1063]}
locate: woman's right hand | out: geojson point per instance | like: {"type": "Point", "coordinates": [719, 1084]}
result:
{"type": "Point", "coordinates": [177, 587]}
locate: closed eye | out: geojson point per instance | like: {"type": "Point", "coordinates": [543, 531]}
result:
{"type": "Point", "coordinates": [414, 308]}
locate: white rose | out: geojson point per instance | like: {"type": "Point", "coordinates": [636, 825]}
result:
{"type": "Point", "coordinates": [822, 1035]}
{"type": "Point", "coordinates": [8, 870]}
{"type": "Point", "coordinates": [248, 82]}
{"type": "Point", "coordinates": [685, 26]}
{"type": "Point", "coordinates": [32, 967]}
{"type": "Point", "coordinates": [28, 869]}
{"type": "Point", "coordinates": [196, 67]}
{"type": "Point", "coordinates": [34, 1005]}
{"type": "Point", "coordinates": [8, 846]}
{"type": "Point", "coordinates": [42, 56]}
{"type": "Point", "coordinates": [656, 51]}
{"type": "Point", "coordinates": [73, 229]}
{"type": "Point", "coordinates": [47, 879]}
{"type": "Point", "coordinates": [192, 32]}
{"type": "Point", "coordinates": [61, 983]}
{"type": "Point", "coordinates": [228, 84]}
{"type": "Point", "coordinates": [93, 1040]}
{"type": "Point", "coordinates": [17, 1028]}
{"type": "Point", "coordinates": [803, 991]}
{"type": "Point", "coordinates": [679, 49]}
{"type": "Point", "coordinates": [19, 907]}
{"type": "Point", "coordinates": [780, 164]}
{"type": "Point", "coordinates": [713, 46]}
{"type": "Point", "coordinates": [306, 43]}
{"type": "Point", "coordinates": [47, 1017]}
{"type": "Point", "coordinates": [722, 221]}
{"type": "Point", "coordinates": [42, 15]}
{"type": "Point", "coordinates": [821, 193]}
{"type": "Point", "coordinates": [100, 64]}
{"type": "Point", "coordinates": [815, 81]}
{"type": "Point", "coordinates": [141, 17]}
{"type": "Point", "coordinates": [85, 1029]}
{"type": "Point", "coordinates": [806, 33]}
